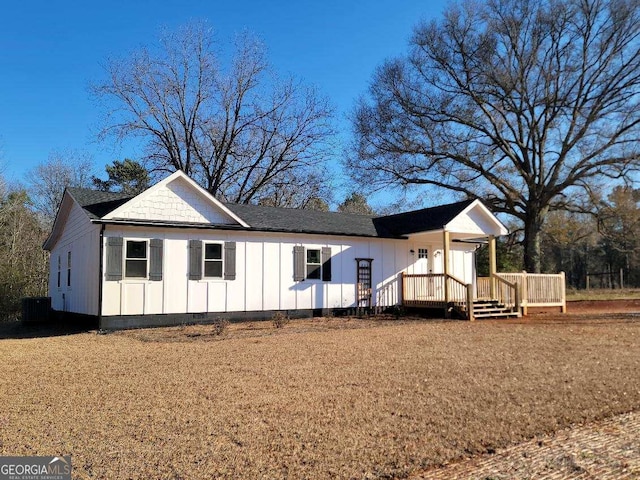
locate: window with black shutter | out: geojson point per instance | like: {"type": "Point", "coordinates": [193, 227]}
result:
{"type": "Point", "coordinates": [213, 262]}
{"type": "Point", "coordinates": [135, 264]}
{"type": "Point", "coordinates": [311, 263]}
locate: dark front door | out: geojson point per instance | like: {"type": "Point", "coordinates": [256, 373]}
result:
{"type": "Point", "coordinates": [364, 282]}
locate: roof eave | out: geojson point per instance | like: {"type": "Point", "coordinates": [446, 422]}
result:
{"type": "Point", "coordinates": [208, 226]}
{"type": "Point", "coordinates": [61, 214]}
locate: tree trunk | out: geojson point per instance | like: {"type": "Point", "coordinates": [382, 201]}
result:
{"type": "Point", "coordinates": [532, 240]}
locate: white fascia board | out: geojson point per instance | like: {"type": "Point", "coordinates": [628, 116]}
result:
{"type": "Point", "coordinates": [478, 204]}
{"type": "Point", "coordinates": [61, 218]}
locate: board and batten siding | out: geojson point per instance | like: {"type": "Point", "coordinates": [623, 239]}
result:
{"type": "Point", "coordinates": [82, 239]}
{"type": "Point", "coordinates": [264, 274]}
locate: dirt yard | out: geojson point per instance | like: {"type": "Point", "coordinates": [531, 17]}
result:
{"type": "Point", "coordinates": [322, 398]}
{"type": "Point", "coordinates": [604, 306]}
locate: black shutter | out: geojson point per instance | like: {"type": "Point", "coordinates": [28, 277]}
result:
{"type": "Point", "coordinates": [155, 259]}
{"type": "Point", "coordinates": [298, 263]}
{"type": "Point", "coordinates": [326, 264]}
{"type": "Point", "coordinates": [114, 258]}
{"type": "Point", "coordinates": [229, 260]}
{"type": "Point", "coordinates": [195, 259]}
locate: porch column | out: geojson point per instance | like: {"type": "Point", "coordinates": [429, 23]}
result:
{"type": "Point", "coordinates": [445, 268]}
{"type": "Point", "coordinates": [492, 265]}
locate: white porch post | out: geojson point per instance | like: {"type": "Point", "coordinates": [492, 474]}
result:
{"type": "Point", "coordinates": [445, 259]}
{"type": "Point", "coordinates": [492, 265]}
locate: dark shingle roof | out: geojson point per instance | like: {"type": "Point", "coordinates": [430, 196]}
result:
{"type": "Point", "coordinates": [307, 221]}
{"type": "Point", "coordinates": [98, 204]}
{"type": "Point", "coordinates": [424, 220]}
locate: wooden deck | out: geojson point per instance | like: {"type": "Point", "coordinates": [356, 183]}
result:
{"type": "Point", "coordinates": [514, 292]}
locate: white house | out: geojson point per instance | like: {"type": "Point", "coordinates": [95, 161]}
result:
{"type": "Point", "coordinates": [176, 254]}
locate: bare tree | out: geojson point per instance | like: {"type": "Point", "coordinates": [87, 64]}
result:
{"type": "Point", "coordinates": [311, 191]}
{"type": "Point", "coordinates": [524, 103]}
{"type": "Point", "coordinates": [239, 131]}
{"type": "Point", "coordinates": [23, 262]}
{"type": "Point", "coordinates": [47, 181]}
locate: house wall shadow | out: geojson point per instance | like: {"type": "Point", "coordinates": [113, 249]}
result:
{"type": "Point", "coordinates": [54, 328]}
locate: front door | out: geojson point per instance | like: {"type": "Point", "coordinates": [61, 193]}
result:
{"type": "Point", "coordinates": [422, 262]}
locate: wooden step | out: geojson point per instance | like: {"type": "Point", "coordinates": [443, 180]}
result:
{"type": "Point", "coordinates": [500, 308]}
{"type": "Point", "coordinates": [489, 305]}
{"type": "Point", "coordinates": [497, 315]}
{"type": "Point", "coordinates": [492, 309]}
{"type": "Point", "coordinates": [485, 309]}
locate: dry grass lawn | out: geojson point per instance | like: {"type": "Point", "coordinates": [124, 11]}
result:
{"type": "Point", "coordinates": [604, 294]}
{"type": "Point", "coordinates": [315, 399]}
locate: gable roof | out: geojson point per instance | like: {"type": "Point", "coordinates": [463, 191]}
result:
{"type": "Point", "coordinates": [97, 205]}
{"type": "Point", "coordinates": [193, 195]}
{"type": "Point", "coordinates": [467, 217]}
{"type": "Point", "coordinates": [423, 220]}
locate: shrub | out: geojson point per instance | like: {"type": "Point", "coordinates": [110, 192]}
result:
{"type": "Point", "coordinates": [220, 326]}
{"type": "Point", "coordinates": [279, 319]}
{"type": "Point", "coordinates": [399, 311]}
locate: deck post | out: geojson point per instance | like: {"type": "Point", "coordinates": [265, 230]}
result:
{"type": "Point", "coordinates": [470, 302]}
{"type": "Point", "coordinates": [492, 266]}
{"type": "Point", "coordinates": [563, 291]}
{"type": "Point", "coordinates": [524, 298]}
{"type": "Point", "coordinates": [445, 268]}
{"type": "Point", "coordinates": [401, 288]}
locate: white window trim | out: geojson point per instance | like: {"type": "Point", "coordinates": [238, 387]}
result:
{"type": "Point", "coordinates": [68, 276]}
{"type": "Point", "coordinates": [205, 260]}
{"type": "Point", "coordinates": [306, 264]}
{"type": "Point", "coordinates": [59, 276]}
{"type": "Point", "coordinates": [125, 258]}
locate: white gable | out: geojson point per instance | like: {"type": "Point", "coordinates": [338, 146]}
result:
{"type": "Point", "coordinates": [176, 199]}
{"type": "Point", "coordinates": [476, 219]}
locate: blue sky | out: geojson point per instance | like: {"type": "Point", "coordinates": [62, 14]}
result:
{"type": "Point", "coordinates": [51, 51]}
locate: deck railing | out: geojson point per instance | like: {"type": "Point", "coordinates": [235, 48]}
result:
{"type": "Point", "coordinates": [514, 290]}
{"type": "Point", "coordinates": [507, 293]}
{"type": "Point", "coordinates": [457, 291]}
{"type": "Point", "coordinates": [536, 289]}
{"type": "Point", "coordinates": [436, 290]}
{"type": "Point", "coordinates": [423, 289]}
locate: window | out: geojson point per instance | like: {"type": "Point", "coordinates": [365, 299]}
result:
{"type": "Point", "coordinates": [136, 259]}
{"type": "Point", "coordinates": [59, 269]}
{"type": "Point", "coordinates": [68, 269]}
{"type": "Point", "coordinates": [423, 253]}
{"type": "Point", "coordinates": [311, 263]}
{"type": "Point", "coordinates": [314, 264]}
{"type": "Point", "coordinates": [213, 260]}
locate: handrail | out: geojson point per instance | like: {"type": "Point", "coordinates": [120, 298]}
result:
{"type": "Point", "coordinates": [461, 295]}
{"type": "Point", "coordinates": [510, 297]}
{"type": "Point", "coordinates": [457, 289]}
{"type": "Point", "coordinates": [539, 289]}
